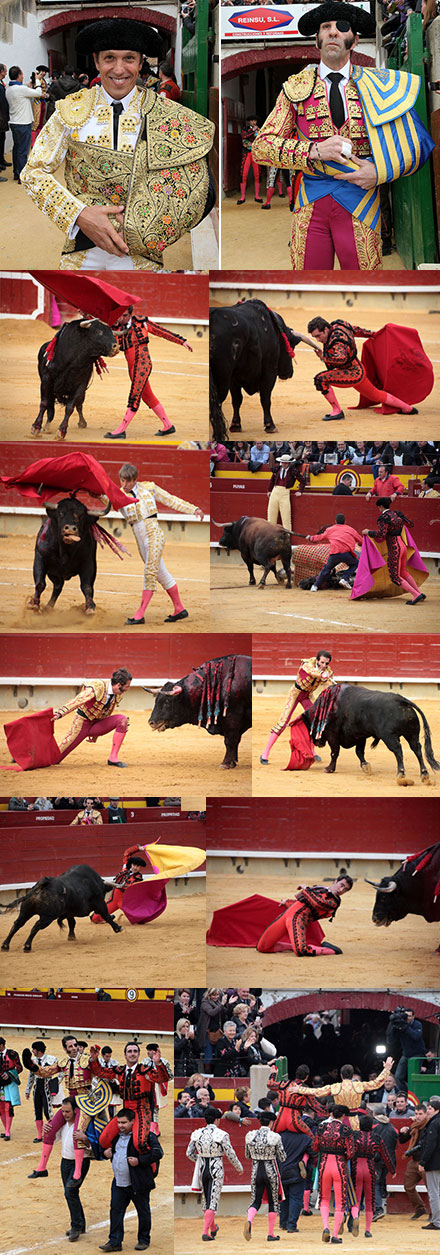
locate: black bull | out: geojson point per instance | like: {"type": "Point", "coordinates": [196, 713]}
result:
{"type": "Point", "coordinates": [360, 713]}
{"type": "Point", "coordinates": [77, 892]}
{"type": "Point", "coordinates": [177, 704]}
{"type": "Point", "coordinates": [247, 352]}
{"type": "Point", "coordinates": [65, 547]}
{"type": "Point", "coordinates": [66, 377]}
{"type": "Point", "coordinates": [261, 543]}
{"type": "Point", "coordinates": [407, 892]}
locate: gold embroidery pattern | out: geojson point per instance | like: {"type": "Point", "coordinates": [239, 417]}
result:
{"type": "Point", "coordinates": [368, 245]}
{"type": "Point", "coordinates": [76, 109]}
{"type": "Point", "coordinates": [300, 226]}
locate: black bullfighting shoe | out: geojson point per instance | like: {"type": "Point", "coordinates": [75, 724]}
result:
{"type": "Point", "coordinates": [327, 945]}
{"type": "Point", "coordinates": [32, 1175]}
{"type": "Point", "coordinates": [330, 418]}
{"type": "Point", "coordinates": [111, 763]}
{"type": "Point", "coordinates": [135, 622]}
{"type": "Point", "coordinates": [167, 431]}
{"type": "Point", "coordinates": [172, 618]}
{"type": "Point", "coordinates": [111, 435]}
{"type": "Point", "coordinates": [264, 761]}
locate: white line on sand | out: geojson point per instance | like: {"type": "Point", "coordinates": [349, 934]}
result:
{"type": "Point", "coordinates": [313, 618]}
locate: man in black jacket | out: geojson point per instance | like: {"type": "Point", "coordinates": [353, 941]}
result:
{"type": "Point", "coordinates": [293, 1173]}
{"type": "Point", "coordinates": [429, 1160]}
{"type": "Point", "coordinates": [133, 1180]}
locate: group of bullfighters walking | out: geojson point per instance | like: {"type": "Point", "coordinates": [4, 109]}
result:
{"type": "Point", "coordinates": [334, 1143]}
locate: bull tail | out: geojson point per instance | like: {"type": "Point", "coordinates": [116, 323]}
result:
{"type": "Point", "coordinates": [11, 906]}
{"type": "Point", "coordinates": [60, 922]}
{"type": "Point", "coordinates": [434, 765]}
{"type": "Point", "coordinates": [374, 744]}
{"type": "Point", "coordinates": [216, 415]}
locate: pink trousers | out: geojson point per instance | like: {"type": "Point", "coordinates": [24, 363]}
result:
{"type": "Point", "coordinates": [100, 728]}
{"type": "Point", "coordinates": [330, 231]}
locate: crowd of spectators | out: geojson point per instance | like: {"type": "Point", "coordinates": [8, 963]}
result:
{"type": "Point", "coordinates": [314, 457]}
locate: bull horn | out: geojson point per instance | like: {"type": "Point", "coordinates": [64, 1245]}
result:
{"type": "Point", "coordinates": [148, 688]}
{"type": "Point", "coordinates": [87, 322]}
{"type": "Point", "coordinates": [176, 690]}
{"type": "Point", "coordinates": [382, 888]}
{"type": "Point", "coordinates": [221, 524]}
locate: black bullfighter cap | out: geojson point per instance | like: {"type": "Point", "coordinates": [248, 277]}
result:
{"type": "Point", "coordinates": [119, 33]}
{"type": "Point", "coordinates": [360, 21]}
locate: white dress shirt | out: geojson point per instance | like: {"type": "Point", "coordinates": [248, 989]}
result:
{"type": "Point", "coordinates": [325, 70]}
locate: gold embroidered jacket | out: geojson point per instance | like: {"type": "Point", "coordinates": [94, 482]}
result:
{"type": "Point", "coordinates": [162, 179]}
{"type": "Point", "coordinates": [91, 701]}
{"type": "Point", "coordinates": [145, 505]}
{"type": "Point", "coordinates": [302, 117]}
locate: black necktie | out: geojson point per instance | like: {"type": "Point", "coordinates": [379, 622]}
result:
{"type": "Point", "coordinates": [335, 101]}
{"type": "Point", "coordinates": [71, 1069]}
{"type": "Point", "coordinates": [118, 108]}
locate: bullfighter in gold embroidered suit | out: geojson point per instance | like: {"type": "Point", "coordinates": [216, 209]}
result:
{"type": "Point", "coordinates": [136, 171]}
{"type": "Point", "coordinates": [94, 706]}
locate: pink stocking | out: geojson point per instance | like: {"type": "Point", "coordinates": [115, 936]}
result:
{"type": "Point", "coordinates": [173, 592]}
{"type": "Point", "coordinates": [209, 1220]}
{"type": "Point", "coordinates": [271, 1218]}
{"type": "Point", "coordinates": [3, 1111]}
{"type": "Point", "coordinates": [160, 413]}
{"type": "Point", "coordinates": [7, 1120]}
{"type": "Point", "coordinates": [306, 1199]}
{"type": "Point", "coordinates": [272, 738]}
{"type": "Point", "coordinates": [144, 602]}
{"type": "Point", "coordinates": [368, 1220]}
{"type": "Point", "coordinates": [334, 403]}
{"type": "Point", "coordinates": [337, 1221]}
{"type": "Point", "coordinates": [324, 1209]}
{"type": "Point", "coordinates": [355, 1212]}
{"type": "Point", "coordinates": [280, 186]}
{"type": "Point", "coordinates": [79, 1156]}
{"type": "Point", "coordinates": [243, 190]}
{"type": "Point", "coordinates": [409, 584]}
{"type": "Point", "coordinates": [129, 414]}
{"type": "Point", "coordinates": [39, 1127]}
{"type": "Point", "coordinates": [118, 738]}
{"type": "Point", "coordinates": [252, 1211]}
{"type": "Point", "coordinates": [46, 1151]}
{"type": "Point", "coordinates": [269, 194]}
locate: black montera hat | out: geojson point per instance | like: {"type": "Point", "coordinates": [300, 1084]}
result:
{"type": "Point", "coordinates": [361, 22]}
{"type": "Point", "coordinates": [115, 32]}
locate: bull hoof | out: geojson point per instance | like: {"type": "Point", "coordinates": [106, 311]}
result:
{"type": "Point", "coordinates": [90, 609]}
{"type": "Point", "coordinates": [366, 768]}
{"type": "Point", "coordinates": [227, 766]}
{"type": "Point", "coordinates": [61, 435]}
{"type": "Point", "coordinates": [426, 779]}
{"type": "Point", "coordinates": [33, 605]}
{"type": "Point", "coordinates": [404, 783]}
{"type": "Point", "coordinates": [27, 948]}
{"type": "Point", "coordinates": [35, 431]}
{"type": "Point", "coordinates": [82, 422]}
{"type": "Point", "coordinates": [118, 928]}
{"type": "Point", "coordinates": [329, 770]}
{"type": "Point", "coordinates": [71, 937]}
{"type": "Point", "coordinates": [5, 945]}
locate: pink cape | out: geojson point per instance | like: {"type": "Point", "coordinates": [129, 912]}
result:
{"type": "Point", "coordinates": [31, 742]}
{"type": "Point", "coordinates": [243, 923]}
{"type": "Point", "coordinates": [91, 295]}
{"type": "Point", "coordinates": [372, 575]}
{"type": "Point", "coordinates": [395, 361]}
{"type": "Point", "coordinates": [144, 902]}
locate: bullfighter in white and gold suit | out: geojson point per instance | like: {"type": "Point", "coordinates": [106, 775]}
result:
{"type": "Point", "coordinates": [150, 538]}
{"type": "Point", "coordinates": [136, 171]}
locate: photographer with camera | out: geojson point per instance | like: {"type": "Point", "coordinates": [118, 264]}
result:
{"type": "Point", "coordinates": [404, 1033]}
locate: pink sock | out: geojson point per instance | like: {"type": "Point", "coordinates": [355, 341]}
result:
{"type": "Point", "coordinates": [368, 1220]}
{"type": "Point", "coordinates": [7, 1123]}
{"type": "Point", "coordinates": [118, 738]}
{"type": "Point", "coordinates": [272, 738]}
{"type": "Point", "coordinates": [334, 403]}
{"type": "Point", "coordinates": [129, 414]}
{"type": "Point", "coordinates": [280, 187]}
{"type": "Point", "coordinates": [144, 602]}
{"type": "Point", "coordinates": [208, 1220]}
{"type": "Point", "coordinates": [173, 592]}
{"type": "Point", "coordinates": [160, 413]}
{"type": "Point", "coordinates": [269, 194]}
{"type": "Point", "coordinates": [252, 1211]}
{"type": "Point", "coordinates": [306, 1199]}
{"type": "Point", "coordinates": [242, 191]}
{"type": "Point", "coordinates": [355, 1212]}
{"type": "Point", "coordinates": [325, 1210]}
{"type": "Point", "coordinates": [322, 950]}
{"type": "Point", "coordinates": [39, 1127]}
{"type": "Point", "coordinates": [271, 1218]}
{"type": "Point", "coordinates": [46, 1151]}
{"type": "Point", "coordinates": [397, 403]}
{"type": "Point", "coordinates": [257, 189]}
{"type": "Point", "coordinates": [79, 1156]}
{"type": "Point", "coordinates": [337, 1221]}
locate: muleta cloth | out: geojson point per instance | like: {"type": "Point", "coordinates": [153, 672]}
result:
{"type": "Point", "coordinates": [31, 742]}
{"type": "Point", "coordinates": [359, 20]}
{"type": "Point", "coordinates": [302, 754]}
{"type": "Point", "coordinates": [49, 477]}
{"type": "Point", "coordinates": [120, 34]}
{"type": "Point", "coordinates": [92, 296]}
{"type": "Point", "coordinates": [372, 577]}
{"type": "Point", "coordinates": [395, 361]}
{"type": "Point", "coordinates": [146, 900]}
{"type": "Point", "coordinates": [243, 923]}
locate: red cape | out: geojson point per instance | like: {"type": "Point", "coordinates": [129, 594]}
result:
{"type": "Point", "coordinates": [243, 923]}
{"type": "Point", "coordinates": [396, 362]}
{"type": "Point", "coordinates": [92, 296]}
{"type": "Point", "coordinates": [302, 753]}
{"type": "Point", "coordinates": [31, 742]}
{"type": "Point", "coordinates": [73, 471]}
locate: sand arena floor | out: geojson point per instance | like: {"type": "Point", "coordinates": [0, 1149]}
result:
{"type": "Point", "coordinates": [348, 780]}
{"type": "Point", "coordinates": [298, 409]}
{"type": "Point", "coordinates": [274, 607]}
{"type": "Point", "coordinates": [402, 956]}
{"type": "Point", "coordinates": [180, 762]}
{"type": "Point", "coordinates": [391, 1234]}
{"type": "Point", "coordinates": [166, 948]}
{"type": "Point", "coordinates": [35, 1214]}
{"type": "Point", "coordinates": [118, 589]}
{"type": "Point", "coordinates": [179, 379]}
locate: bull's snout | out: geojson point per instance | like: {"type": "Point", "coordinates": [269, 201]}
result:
{"type": "Point", "coordinates": [70, 534]}
{"type": "Point", "coordinates": [114, 351]}
{"type": "Point", "coordinates": [157, 726]}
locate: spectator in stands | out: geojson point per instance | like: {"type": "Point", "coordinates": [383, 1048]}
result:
{"type": "Point", "coordinates": [203, 1100]}
{"type": "Point", "coordinates": [394, 452]}
{"type": "Point", "coordinates": [64, 85]}
{"type": "Point", "coordinates": [420, 453]}
{"type": "Point", "coordinates": [406, 1033]}
{"type": "Point", "coordinates": [168, 85]}
{"type": "Point", "coordinates": [402, 1105]}
{"type": "Point", "coordinates": [18, 804]}
{"type": "Point", "coordinates": [234, 1113]}
{"type": "Point", "coordinates": [219, 455]}
{"type": "Point", "coordinates": [386, 485]}
{"type": "Point", "coordinates": [65, 803]}
{"type": "Point", "coordinates": [240, 450]}
{"type": "Point", "coordinates": [264, 1104]}
{"type": "Point", "coordinates": [389, 1087]}
{"type": "Point", "coordinates": [360, 454]}
{"type": "Point", "coordinates": [429, 1159]}
{"type": "Point", "coordinates": [412, 1134]}
{"type": "Point", "coordinates": [344, 488]}
{"type": "Point", "coordinates": [189, 14]}
{"type": "Point", "coordinates": [84, 80]}
{"type": "Point", "coordinates": [184, 1004]}
{"type": "Point", "coordinates": [227, 1062]}
{"type": "Point", "coordinates": [259, 456]}
{"type": "Point", "coordinates": [242, 1096]}
{"type": "Point", "coordinates": [185, 1049]}
{"type": "Point", "coordinates": [88, 815]}
{"type": "Point", "coordinates": [429, 488]}
{"type": "Point", "coordinates": [198, 1081]}
{"type": "Point", "coordinates": [250, 1052]}
{"type": "Point", "coordinates": [115, 812]}
{"type": "Point", "coordinates": [375, 454]}
{"type": "Point", "coordinates": [41, 804]}
{"type": "Point", "coordinates": [185, 1104]}
{"type": "Point", "coordinates": [212, 1015]}
{"type": "Point", "coordinates": [102, 995]}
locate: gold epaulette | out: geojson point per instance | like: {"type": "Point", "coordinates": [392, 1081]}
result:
{"type": "Point", "coordinates": [77, 108]}
{"type": "Point", "coordinates": [299, 86]}
{"type": "Point", "coordinates": [83, 1061]}
{"type": "Point", "coordinates": [175, 134]}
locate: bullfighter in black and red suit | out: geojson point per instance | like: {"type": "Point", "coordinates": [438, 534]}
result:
{"type": "Point", "coordinates": [293, 1104]}
{"type": "Point", "coordinates": [132, 333]}
{"type": "Point", "coordinates": [311, 904]}
{"type": "Point", "coordinates": [363, 1170]}
{"type": "Point", "coordinates": [343, 368]}
{"type": "Point", "coordinates": [136, 1086]}
{"type": "Point", "coordinates": [334, 1144]}
{"type": "Point", "coordinates": [390, 524]}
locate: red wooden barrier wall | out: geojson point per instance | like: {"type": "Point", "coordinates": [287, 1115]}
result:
{"type": "Point", "coordinates": [148, 658]}
{"type": "Point", "coordinates": [162, 296]}
{"type": "Point", "coordinates": [52, 851]}
{"type": "Point", "coordinates": [143, 1016]}
{"type": "Point", "coordinates": [319, 278]}
{"type": "Point", "coordinates": [184, 472]}
{"type": "Point", "coordinates": [311, 511]}
{"type": "Point", "coordinates": [139, 814]}
{"type": "Point", "coordinates": [354, 655]}
{"type": "Point", "coordinates": [389, 826]}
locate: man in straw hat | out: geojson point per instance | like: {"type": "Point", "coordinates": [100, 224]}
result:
{"type": "Point", "coordinates": [348, 129]}
{"type": "Point", "coordinates": [136, 173]}
{"type": "Point", "coordinates": [284, 478]}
